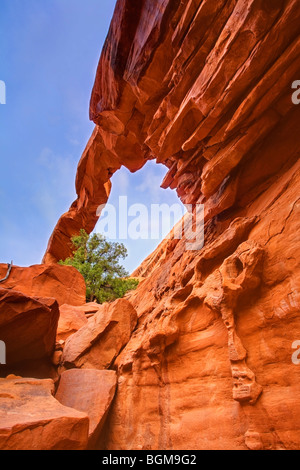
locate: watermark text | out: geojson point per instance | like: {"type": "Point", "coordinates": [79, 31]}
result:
{"type": "Point", "coordinates": [2, 92]}
{"type": "Point", "coordinates": [296, 94]}
{"type": "Point", "coordinates": [296, 355]}
{"type": "Point", "coordinates": [2, 353]}
{"type": "Point", "coordinates": [154, 222]}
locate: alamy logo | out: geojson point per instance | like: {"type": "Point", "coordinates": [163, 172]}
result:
{"type": "Point", "coordinates": [296, 94]}
{"type": "Point", "coordinates": [140, 222]}
{"type": "Point", "coordinates": [2, 92]}
{"type": "Point", "coordinates": [2, 353]}
{"type": "Point", "coordinates": [296, 355]}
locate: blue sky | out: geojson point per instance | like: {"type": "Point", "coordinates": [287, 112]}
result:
{"type": "Point", "coordinates": [48, 58]}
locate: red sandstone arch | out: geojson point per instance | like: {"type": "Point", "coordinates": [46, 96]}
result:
{"type": "Point", "coordinates": [174, 85]}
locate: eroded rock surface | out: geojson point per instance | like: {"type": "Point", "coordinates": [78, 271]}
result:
{"type": "Point", "coordinates": [31, 418]}
{"type": "Point", "coordinates": [27, 326]}
{"type": "Point", "coordinates": [211, 356]}
{"type": "Point", "coordinates": [63, 283]}
{"type": "Point", "coordinates": [98, 343]}
{"type": "Point", "coordinates": [205, 88]}
{"type": "Point", "coordinates": [91, 392]}
{"type": "Point", "coordinates": [71, 319]}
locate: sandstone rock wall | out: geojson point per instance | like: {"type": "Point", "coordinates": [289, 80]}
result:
{"type": "Point", "coordinates": [205, 88]}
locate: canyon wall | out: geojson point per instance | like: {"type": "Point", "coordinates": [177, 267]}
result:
{"type": "Point", "coordinates": [204, 87]}
{"type": "Point", "coordinates": [204, 351]}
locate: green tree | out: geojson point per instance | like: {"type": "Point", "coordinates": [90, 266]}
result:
{"type": "Point", "coordinates": [98, 261]}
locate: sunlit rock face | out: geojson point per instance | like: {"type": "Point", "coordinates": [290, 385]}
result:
{"type": "Point", "coordinates": [31, 418]}
{"type": "Point", "coordinates": [204, 87]}
{"type": "Point", "coordinates": [91, 392]}
{"type": "Point", "coordinates": [64, 283]}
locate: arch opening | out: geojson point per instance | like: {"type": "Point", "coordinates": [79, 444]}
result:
{"type": "Point", "coordinates": [139, 213]}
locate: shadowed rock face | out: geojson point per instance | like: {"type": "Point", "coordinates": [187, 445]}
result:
{"type": "Point", "coordinates": [27, 327]}
{"type": "Point", "coordinates": [205, 88]}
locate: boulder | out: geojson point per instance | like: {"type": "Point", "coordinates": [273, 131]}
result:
{"type": "Point", "coordinates": [32, 419]}
{"type": "Point", "coordinates": [63, 283]}
{"type": "Point", "coordinates": [91, 392]}
{"type": "Point", "coordinates": [27, 326]}
{"type": "Point", "coordinates": [97, 344]}
{"type": "Point", "coordinates": [71, 319]}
